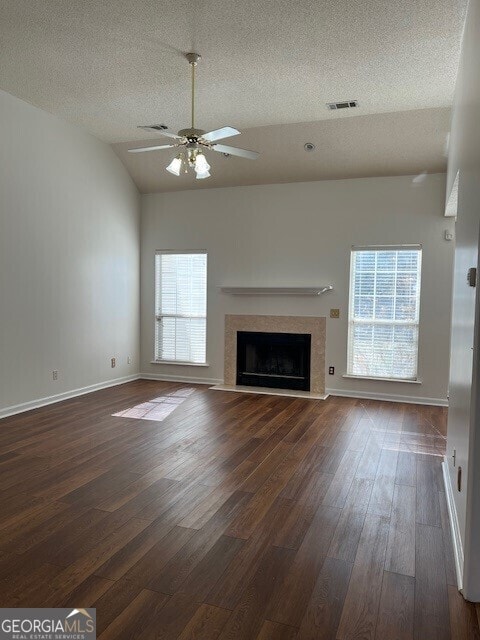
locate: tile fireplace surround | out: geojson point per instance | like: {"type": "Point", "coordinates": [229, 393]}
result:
{"type": "Point", "coordinates": [316, 327]}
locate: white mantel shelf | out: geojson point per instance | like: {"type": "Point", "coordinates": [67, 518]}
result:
{"type": "Point", "coordinates": [276, 291]}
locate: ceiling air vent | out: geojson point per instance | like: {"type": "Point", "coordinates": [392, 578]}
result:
{"type": "Point", "coordinates": [347, 104]}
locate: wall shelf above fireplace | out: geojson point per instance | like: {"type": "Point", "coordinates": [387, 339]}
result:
{"type": "Point", "coordinates": [276, 291]}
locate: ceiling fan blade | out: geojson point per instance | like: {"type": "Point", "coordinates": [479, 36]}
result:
{"type": "Point", "coordinates": [156, 148]}
{"type": "Point", "coordinates": [234, 151]}
{"type": "Point", "coordinates": [219, 134]}
{"type": "Point", "coordinates": [158, 129]}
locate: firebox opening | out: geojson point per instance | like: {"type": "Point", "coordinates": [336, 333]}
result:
{"type": "Point", "coordinates": [275, 360]}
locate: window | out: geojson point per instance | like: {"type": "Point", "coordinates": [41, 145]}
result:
{"type": "Point", "coordinates": [180, 307]}
{"type": "Point", "coordinates": [384, 312]}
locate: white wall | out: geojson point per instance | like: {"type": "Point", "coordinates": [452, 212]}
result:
{"type": "Point", "coordinates": [301, 234]}
{"type": "Point", "coordinates": [69, 258]}
{"type": "Point", "coordinates": [464, 413]}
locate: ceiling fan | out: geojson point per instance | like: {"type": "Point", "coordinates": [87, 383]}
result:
{"type": "Point", "coordinates": [194, 142]}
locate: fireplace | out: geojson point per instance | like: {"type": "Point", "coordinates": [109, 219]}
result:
{"type": "Point", "coordinates": [314, 327]}
{"type": "Point", "coordinates": [275, 360]}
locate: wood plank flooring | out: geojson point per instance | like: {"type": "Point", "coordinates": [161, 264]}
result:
{"type": "Point", "coordinates": [238, 516]}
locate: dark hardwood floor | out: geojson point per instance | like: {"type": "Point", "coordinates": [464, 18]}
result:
{"type": "Point", "coordinates": [238, 516]}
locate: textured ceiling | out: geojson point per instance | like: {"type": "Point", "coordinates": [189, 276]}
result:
{"type": "Point", "coordinates": [410, 142]}
{"type": "Point", "coordinates": [109, 65]}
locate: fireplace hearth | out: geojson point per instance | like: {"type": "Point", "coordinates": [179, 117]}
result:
{"type": "Point", "coordinates": [275, 360]}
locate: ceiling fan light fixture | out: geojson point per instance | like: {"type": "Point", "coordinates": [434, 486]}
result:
{"type": "Point", "coordinates": [201, 164]}
{"type": "Point", "coordinates": [175, 166]}
{"type": "Point", "coordinates": [203, 174]}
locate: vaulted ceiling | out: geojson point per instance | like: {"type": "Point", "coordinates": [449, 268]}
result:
{"type": "Point", "coordinates": [266, 65]}
{"type": "Point", "coordinates": [387, 144]}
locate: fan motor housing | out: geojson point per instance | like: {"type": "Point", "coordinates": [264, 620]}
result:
{"type": "Point", "coordinates": [191, 134]}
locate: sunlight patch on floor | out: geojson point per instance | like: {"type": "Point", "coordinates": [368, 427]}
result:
{"type": "Point", "coordinates": [157, 409]}
{"type": "Point", "coordinates": [419, 437]}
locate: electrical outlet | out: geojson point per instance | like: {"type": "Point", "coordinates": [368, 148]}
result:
{"type": "Point", "coordinates": [113, 363]}
{"type": "Point", "coordinates": [129, 360]}
{"type": "Point", "coordinates": [55, 374]}
{"type": "Point", "coordinates": [331, 371]}
{"type": "Point", "coordinates": [334, 313]}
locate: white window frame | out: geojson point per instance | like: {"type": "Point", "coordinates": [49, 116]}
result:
{"type": "Point", "coordinates": [158, 317]}
{"type": "Point", "coordinates": [352, 322]}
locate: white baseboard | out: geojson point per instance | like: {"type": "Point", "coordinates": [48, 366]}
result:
{"type": "Point", "coordinates": [366, 395]}
{"type": "Point", "coordinates": [186, 379]}
{"type": "Point", "coordinates": [42, 402]}
{"type": "Point", "coordinates": [454, 526]}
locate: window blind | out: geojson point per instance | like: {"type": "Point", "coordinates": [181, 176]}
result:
{"type": "Point", "coordinates": [181, 307]}
{"type": "Point", "coordinates": [384, 312]}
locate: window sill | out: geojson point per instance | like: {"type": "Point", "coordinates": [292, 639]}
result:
{"type": "Point", "coordinates": [181, 363]}
{"type": "Point", "coordinates": [349, 375]}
